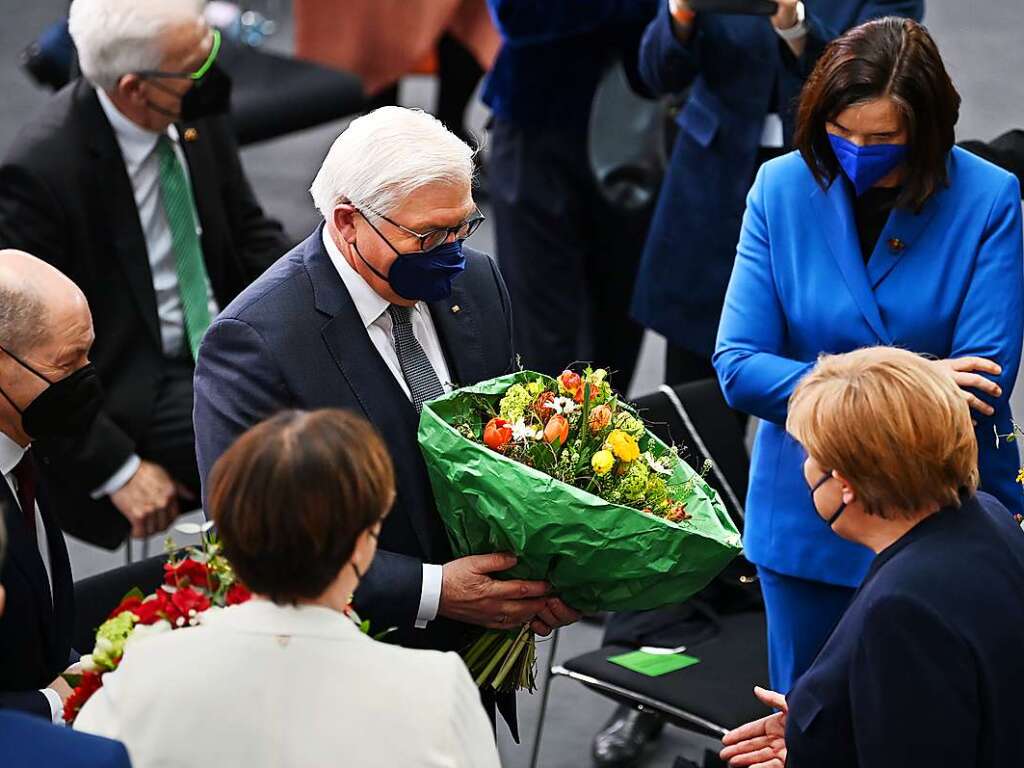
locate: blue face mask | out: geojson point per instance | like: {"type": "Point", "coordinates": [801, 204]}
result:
{"type": "Point", "coordinates": [424, 275]}
{"type": "Point", "coordinates": [865, 166]}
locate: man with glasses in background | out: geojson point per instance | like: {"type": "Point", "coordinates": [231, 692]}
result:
{"type": "Point", "coordinates": [130, 183]}
{"type": "Point", "coordinates": [378, 311]}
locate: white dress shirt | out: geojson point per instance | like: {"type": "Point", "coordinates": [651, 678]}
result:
{"type": "Point", "coordinates": [138, 149]}
{"type": "Point", "coordinates": [11, 455]}
{"type": "Point", "coordinates": [289, 686]}
{"type": "Point", "coordinates": [372, 309]}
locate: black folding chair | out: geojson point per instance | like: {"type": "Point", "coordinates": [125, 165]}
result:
{"type": "Point", "coordinates": [97, 596]}
{"type": "Point", "coordinates": [715, 695]}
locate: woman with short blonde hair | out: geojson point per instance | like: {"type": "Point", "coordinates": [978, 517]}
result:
{"type": "Point", "coordinates": [864, 413]}
{"type": "Point", "coordinates": [923, 668]}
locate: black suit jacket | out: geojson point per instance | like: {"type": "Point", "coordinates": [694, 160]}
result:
{"type": "Point", "coordinates": [924, 668]}
{"type": "Point", "coordinates": [65, 196]}
{"type": "Point", "coordinates": [35, 632]}
{"type": "Point", "coordinates": [294, 339]}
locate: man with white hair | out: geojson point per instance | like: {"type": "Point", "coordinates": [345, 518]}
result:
{"type": "Point", "coordinates": [130, 183]}
{"type": "Point", "coordinates": [379, 310]}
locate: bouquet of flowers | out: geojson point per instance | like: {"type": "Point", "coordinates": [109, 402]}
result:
{"type": "Point", "coordinates": [565, 475]}
{"type": "Point", "coordinates": [197, 580]}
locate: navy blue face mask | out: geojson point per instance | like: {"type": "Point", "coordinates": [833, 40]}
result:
{"type": "Point", "coordinates": [423, 275]}
{"type": "Point", "coordinates": [829, 521]}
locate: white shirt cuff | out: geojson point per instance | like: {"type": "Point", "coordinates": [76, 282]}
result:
{"type": "Point", "coordinates": [119, 479]}
{"type": "Point", "coordinates": [56, 705]}
{"type": "Point", "coordinates": [430, 595]}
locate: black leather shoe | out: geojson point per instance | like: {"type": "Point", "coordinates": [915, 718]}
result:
{"type": "Point", "coordinates": [623, 739]}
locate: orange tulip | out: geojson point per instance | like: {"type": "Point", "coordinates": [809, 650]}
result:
{"type": "Point", "coordinates": [556, 430]}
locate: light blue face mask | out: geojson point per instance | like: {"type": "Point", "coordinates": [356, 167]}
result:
{"type": "Point", "coordinates": [866, 166]}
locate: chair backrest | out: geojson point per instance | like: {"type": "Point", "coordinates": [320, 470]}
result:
{"type": "Point", "coordinates": [97, 596]}
{"type": "Point", "coordinates": [695, 415]}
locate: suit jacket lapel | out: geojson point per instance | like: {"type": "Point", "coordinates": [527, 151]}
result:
{"type": "Point", "coordinates": [23, 552]}
{"type": "Point", "coordinates": [834, 212]}
{"type": "Point", "coordinates": [364, 370]}
{"type": "Point", "coordinates": [127, 238]}
{"type": "Point", "coordinates": [898, 236]}
{"type": "Point", "coordinates": [455, 319]}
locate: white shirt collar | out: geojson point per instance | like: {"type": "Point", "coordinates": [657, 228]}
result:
{"type": "Point", "coordinates": [135, 141]}
{"type": "Point", "coordinates": [10, 454]}
{"type": "Point", "coordinates": [369, 304]}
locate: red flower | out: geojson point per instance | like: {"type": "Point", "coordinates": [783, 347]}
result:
{"type": "Point", "coordinates": [186, 600]}
{"type": "Point", "coordinates": [189, 573]}
{"type": "Point", "coordinates": [238, 594]}
{"type": "Point", "coordinates": [87, 686]}
{"type": "Point", "coordinates": [570, 381]}
{"type": "Point", "coordinates": [159, 607]}
{"type": "Point", "coordinates": [130, 603]}
{"type": "Point", "coordinates": [540, 405]}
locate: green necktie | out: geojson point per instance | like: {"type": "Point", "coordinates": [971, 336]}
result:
{"type": "Point", "coordinates": [193, 285]}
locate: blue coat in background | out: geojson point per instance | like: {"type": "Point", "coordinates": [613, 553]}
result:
{"type": "Point", "coordinates": [740, 71]}
{"type": "Point", "coordinates": [952, 286]}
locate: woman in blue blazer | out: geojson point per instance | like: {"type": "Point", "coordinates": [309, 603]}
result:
{"type": "Point", "coordinates": [742, 79]}
{"type": "Point", "coordinates": [878, 232]}
{"type": "Point", "coordinates": [924, 667]}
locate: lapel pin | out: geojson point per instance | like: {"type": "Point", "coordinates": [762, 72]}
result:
{"type": "Point", "coordinates": [191, 134]}
{"type": "Point", "coordinates": [896, 245]}
{"type": "Point", "coordinates": [456, 309]}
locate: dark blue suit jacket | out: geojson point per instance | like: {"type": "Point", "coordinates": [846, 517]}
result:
{"type": "Point", "coordinates": [734, 64]}
{"type": "Point", "coordinates": [27, 742]}
{"type": "Point", "coordinates": [35, 627]}
{"type": "Point", "coordinates": [924, 668]}
{"type": "Point", "coordinates": [553, 55]}
{"type": "Point", "coordinates": [293, 339]}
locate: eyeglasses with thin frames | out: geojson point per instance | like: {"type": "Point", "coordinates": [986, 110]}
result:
{"type": "Point", "coordinates": [435, 237]}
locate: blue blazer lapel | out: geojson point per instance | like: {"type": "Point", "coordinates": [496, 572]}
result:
{"type": "Point", "coordinates": [900, 233]}
{"type": "Point", "coordinates": [835, 214]}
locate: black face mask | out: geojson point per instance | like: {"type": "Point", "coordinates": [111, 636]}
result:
{"type": "Point", "coordinates": [829, 521]}
{"type": "Point", "coordinates": [210, 95]}
{"type": "Point", "coordinates": [66, 408]}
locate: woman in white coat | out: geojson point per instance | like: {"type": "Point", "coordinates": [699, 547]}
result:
{"type": "Point", "coordinates": [287, 679]}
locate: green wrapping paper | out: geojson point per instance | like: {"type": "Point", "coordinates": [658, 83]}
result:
{"type": "Point", "coordinates": [596, 555]}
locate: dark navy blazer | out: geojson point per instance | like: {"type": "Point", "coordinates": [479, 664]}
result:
{"type": "Point", "coordinates": [293, 339]}
{"type": "Point", "coordinates": [27, 742]}
{"type": "Point", "coordinates": [35, 626]}
{"type": "Point", "coordinates": [924, 669]}
{"type": "Point", "coordinates": [732, 63]}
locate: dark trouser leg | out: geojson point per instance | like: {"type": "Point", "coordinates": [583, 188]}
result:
{"type": "Point", "coordinates": [541, 245]}
{"type": "Point", "coordinates": [169, 440]}
{"type": "Point", "coordinates": [459, 73]}
{"type": "Point", "coordinates": [615, 248]}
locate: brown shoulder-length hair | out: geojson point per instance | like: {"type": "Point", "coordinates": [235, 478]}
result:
{"type": "Point", "coordinates": [890, 57]}
{"type": "Point", "coordinates": [293, 494]}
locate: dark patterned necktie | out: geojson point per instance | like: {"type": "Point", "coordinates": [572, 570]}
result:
{"type": "Point", "coordinates": [419, 374]}
{"type": "Point", "coordinates": [25, 476]}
